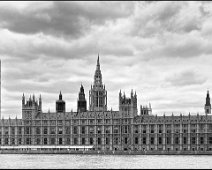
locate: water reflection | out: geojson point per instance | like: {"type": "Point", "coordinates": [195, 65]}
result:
{"type": "Point", "coordinates": [26, 161]}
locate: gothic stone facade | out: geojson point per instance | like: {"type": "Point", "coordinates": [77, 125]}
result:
{"type": "Point", "coordinates": [107, 129]}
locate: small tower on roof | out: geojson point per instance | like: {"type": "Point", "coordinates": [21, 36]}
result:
{"type": "Point", "coordinates": [30, 108]}
{"type": "Point", "coordinates": [128, 105]}
{"type": "Point", "coordinates": [40, 102]}
{"type": "Point", "coordinates": [208, 104]}
{"type": "Point", "coordinates": [81, 103]}
{"type": "Point", "coordinates": [23, 100]}
{"type": "Point", "coordinates": [60, 104]}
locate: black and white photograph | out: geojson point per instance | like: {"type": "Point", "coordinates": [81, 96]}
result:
{"type": "Point", "coordinates": [105, 84]}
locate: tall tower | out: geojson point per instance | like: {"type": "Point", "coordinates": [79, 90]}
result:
{"type": "Point", "coordinates": [60, 104]}
{"type": "Point", "coordinates": [208, 104]}
{"type": "Point", "coordinates": [81, 103]}
{"type": "Point", "coordinates": [128, 105]}
{"type": "Point", "coordinates": [98, 94]}
{"type": "Point", "coordinates": [30, 108]}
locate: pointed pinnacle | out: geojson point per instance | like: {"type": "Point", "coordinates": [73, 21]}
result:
{"type": "Point", "coordinates": [98, 60]}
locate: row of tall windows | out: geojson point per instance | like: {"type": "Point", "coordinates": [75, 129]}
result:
{"type": "Point", "coordinates": [126, 140]}
{"type": "Point", "coordinates": [125, 129]}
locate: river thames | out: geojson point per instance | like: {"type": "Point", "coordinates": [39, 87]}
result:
{"type": "Point", "coordinates": [35, 161]}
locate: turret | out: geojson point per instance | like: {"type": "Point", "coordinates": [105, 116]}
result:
{"type": "Point", "coordinates": [30, 108]}
{"type": "Point", "coordinates": [60, 96]}
{"type": "Point", "coordinates": [60, 104]}
{"type": "Point", "coordinates": [23, 100]}
{"type": "Point", "coordinates": [81, 103]}
{"type": "Point", "coordinates": [40, 103]}
{"type": "Point", "coordinates": [145, 110]}
{"type": "Point", "coordinates": [208, 104]}
{"type": "Point", "coordinates": [128, 106]}
{"type": "Point", "coordinates": [131, 93]}
{"type": "Point", "coordinates": [33, 98]}
{"type": "Point", "coordinates": [135, 95]}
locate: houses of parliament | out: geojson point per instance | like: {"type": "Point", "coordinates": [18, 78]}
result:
{"type": "Point", "coordinates": [95, 127]}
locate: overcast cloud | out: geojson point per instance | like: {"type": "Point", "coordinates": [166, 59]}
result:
{"type": "Point", "coordinates": [160, 49]}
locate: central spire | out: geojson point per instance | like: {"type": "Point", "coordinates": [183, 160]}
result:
{"type": "Point", "coordinates": [98, 94]}
{"type": "Point", "coordinates": [98, 74]}
{"type": "Point", "coordinates": [98, 65]}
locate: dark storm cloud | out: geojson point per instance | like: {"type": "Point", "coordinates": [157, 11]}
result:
{"type": "Point", "coordinates": [61, 18]}
{"type": "Point", "coordinates": [186, 78]}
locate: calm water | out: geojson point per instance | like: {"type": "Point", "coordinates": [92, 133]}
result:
{"type": "Point", "coordinates": [101, 161]}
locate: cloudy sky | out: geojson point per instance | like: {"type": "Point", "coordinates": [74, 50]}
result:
{"type": "Point", "coordinates": [160, 49]}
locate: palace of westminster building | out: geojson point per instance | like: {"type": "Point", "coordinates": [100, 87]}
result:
{"type": "Point", "coordinates": [105, 129]}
